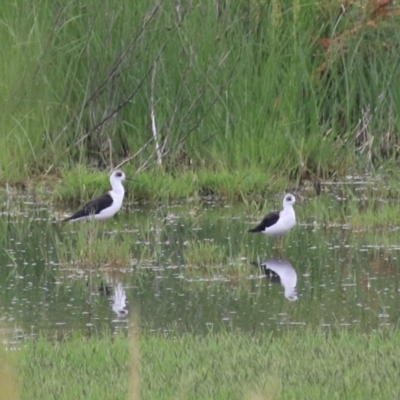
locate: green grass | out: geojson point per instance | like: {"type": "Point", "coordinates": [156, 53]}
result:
{"type": "Point", "coordinates": [206, 258]}
{"type": "Point", "coordinates": [83, 184]}
{"type": "Point", "coordinates": [88, 246]}
{"type": "Point", "coordinates": [296, 364]}
{"type": "Point", "coordinates": [240, 95]}
{"type": "Point", "coordinates": [203, 254]}
{"type": "Point", "coordinates": [373, 205]}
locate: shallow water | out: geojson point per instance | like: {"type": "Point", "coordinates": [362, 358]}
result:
{"type": "Point", "coordinates": [333, 276]}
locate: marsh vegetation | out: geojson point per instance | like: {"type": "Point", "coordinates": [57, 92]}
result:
{"type": "Point", "coordinates": [215, 108]}
{"type": "Point", "coordinates": [198, 98]}
{"type": "Point", "coordinates": [176, 365]}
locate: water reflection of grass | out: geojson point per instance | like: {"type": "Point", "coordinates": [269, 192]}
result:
{"type": "Point", "coordinates": [203, 254]}
{"type": "Point", "coordinates": [208, 259]}
{"type": "Point", "coordinates": [215, 260]}
{"type": "Point", "coordinates": [296, 364]}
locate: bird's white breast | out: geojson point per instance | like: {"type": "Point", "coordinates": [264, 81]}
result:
{"type": "Point", "coordinates": [286, 221]}
{"type": "Point", "coordinates": [114, 208]}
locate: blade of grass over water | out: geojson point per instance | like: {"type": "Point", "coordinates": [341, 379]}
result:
{"type": "Point", "coordinates": [8, 373]}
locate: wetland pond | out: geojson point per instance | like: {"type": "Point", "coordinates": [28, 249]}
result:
{"type": "Point", "coordinates": [190, 267]}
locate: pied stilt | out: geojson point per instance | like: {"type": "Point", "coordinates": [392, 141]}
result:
{"type": "Point", "coordinates": [278, 223]}
{"type": "Point", "coordinates": [106, 205]}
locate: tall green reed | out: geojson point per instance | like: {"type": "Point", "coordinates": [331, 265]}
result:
{"type": "Point", "coordinates": [196, 85]}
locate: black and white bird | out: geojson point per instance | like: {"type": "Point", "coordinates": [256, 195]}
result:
{"type": "Point", "coordinates": [278, 223]}
{"type": "Point", "coordinates": [281, 271]}
{"type": "Point", "coordinates": [106, 205]}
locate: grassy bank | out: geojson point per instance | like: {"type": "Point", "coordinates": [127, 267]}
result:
{"type": "Point", "coordinates": [204, 93]}
{"type": "Point", "coordinates": [81, 184]}
{"type": "Point", "coordinates": [249, 186]}
{"type": "Point", "coordinates": [297, 364]}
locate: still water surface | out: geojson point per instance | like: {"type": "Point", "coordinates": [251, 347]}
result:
{"type": "Point", "coordinates": [328, 276]}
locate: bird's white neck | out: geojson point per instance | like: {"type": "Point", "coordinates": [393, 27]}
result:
{"type": "Point", "coordinates": [117, 187]}
{"type": "Point", "coordinates": [288, 212]}
{"type": "Point", "coordinates": [287, 206]}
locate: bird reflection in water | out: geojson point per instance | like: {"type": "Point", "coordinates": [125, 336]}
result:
{"type": "Point", "coordinates": [119, 301]}
{"type": "Point", "coordinates": [117, 296]}
{"type": "Point", "coordinates": [281, 271]}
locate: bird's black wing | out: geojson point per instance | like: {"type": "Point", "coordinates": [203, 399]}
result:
{"type": "Point", "coordinates": [269, 220]}
{"type": "Point", "coordinates": [93, 207]}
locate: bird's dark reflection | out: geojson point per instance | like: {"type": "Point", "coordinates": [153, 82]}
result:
{"type": "Point", "coordinates": [279, 270]}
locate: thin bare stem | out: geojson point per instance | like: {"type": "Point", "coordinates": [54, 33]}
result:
{"type": "Point", "coordinates": [153, 114]}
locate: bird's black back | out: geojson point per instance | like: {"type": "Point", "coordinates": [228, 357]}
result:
{"type": "Point", "coordinates": [269, 220]}
{"type": "Point", "coordinates": [93, 207]}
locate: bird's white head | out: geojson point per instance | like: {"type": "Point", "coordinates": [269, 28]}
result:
{"type": "Point", "coordinates": [116, 179]}
{"type": "Point", "coordinates": [117, 175]}
{"type": "Point", "coordinates": [289, 200]}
